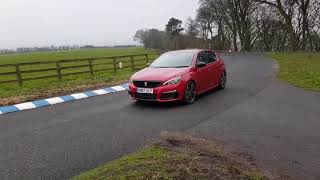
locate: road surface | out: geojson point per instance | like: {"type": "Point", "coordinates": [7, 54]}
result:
{"type": "Point", "coordinates": [277, 123]}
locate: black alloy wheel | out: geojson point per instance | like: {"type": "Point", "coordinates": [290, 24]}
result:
{"type": "Point", "coordinates": [190, 94]}
{"type": "Point", "coordinates": [223, 81]}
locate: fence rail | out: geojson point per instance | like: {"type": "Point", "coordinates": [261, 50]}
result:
{"type": "Point", "coordinates": [88, 66]}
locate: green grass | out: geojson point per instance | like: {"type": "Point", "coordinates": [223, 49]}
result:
{"type": "Point", "coordinates": [148, 164]}
{"type": "Point", "coordinates": [162, 163]}
{"type": "Point", "coordinates": [40, 86]}
{"type": "Point", "coordinates": [178, 156]}
{"type": "Point", "coordinates": [299, 69]}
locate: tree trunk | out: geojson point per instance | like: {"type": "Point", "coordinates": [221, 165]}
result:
{"type": "Point", "coordinates": [292, 37]}
{"type": "Point", "coordinates": [305, 24]}
{"type": "Point", "coordinates": [234, 36]}
{"type": "Point", "coordinates": [289, 26]}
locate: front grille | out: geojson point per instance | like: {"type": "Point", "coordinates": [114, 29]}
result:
{"type": "Point", "coordinates": [141, 96]}
{"type": "Point", "coordinates": [147, 84]}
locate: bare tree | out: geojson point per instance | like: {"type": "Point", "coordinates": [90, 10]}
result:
{"type": "Point", "coordinates": [174, 28]}
{"type": "Point", "coordinates": [264, 25]}
{"type": "Point", "coordinates": [286, 9]}
{"type": "Point", "coordinates": [192, 28]}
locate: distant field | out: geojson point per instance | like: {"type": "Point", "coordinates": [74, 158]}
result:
{"type": "Point", "coordinates": [40, 86]}
{"type": "Point", "coordinates": [75, 54]}
{"type": "Point", "coordinates": [299, 69]}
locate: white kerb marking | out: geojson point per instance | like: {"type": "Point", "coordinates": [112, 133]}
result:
{"type": "Point", "coordinates": [100, 92]}
{"type": "Point", "coordinates": [79, 96]}
{"type": "Point", "coordinates": [118, 88]}
{"type": "Point", "coordinates": [24, 106]}
{"type": "Point", "coordinates": [55, 100]}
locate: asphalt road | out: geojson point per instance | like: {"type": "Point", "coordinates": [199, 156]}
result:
{"type": "Point", "coordinates": [277, 123]}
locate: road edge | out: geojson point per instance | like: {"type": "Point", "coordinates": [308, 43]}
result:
{"type": "Point", "coordinates": [61, 99]}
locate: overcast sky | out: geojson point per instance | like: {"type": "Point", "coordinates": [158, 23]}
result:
{"type": "Point", "coordinates": [97, 22]}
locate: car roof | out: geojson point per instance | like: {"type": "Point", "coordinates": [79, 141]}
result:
{"type": "Point", "coordinates": [191, 50]}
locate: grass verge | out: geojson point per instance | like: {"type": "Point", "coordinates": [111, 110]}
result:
{"type": "Point", "coordinates": [178, 156]}
{"type": "Point", "coordinates": [299, 69]}
{"type": "Point", "coordinates": [33, 90]}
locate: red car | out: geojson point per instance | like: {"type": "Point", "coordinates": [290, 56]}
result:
{"type": "Point", "coordinates": [179, 76]}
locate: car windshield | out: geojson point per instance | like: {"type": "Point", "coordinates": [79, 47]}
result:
{"type": "Point", "coordinates": [173, 60]}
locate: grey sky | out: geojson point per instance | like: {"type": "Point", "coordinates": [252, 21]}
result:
{"type": "Point", "coordinates": [98, 22]}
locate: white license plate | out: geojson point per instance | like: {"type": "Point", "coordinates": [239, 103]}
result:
{"type": "Point", "coordinates": [145, 90]}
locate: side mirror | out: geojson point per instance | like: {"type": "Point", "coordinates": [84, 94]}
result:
{"type": "Point", "coordinates": [200, 64]}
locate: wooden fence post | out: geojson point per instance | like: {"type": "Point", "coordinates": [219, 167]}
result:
{"type": "Point", "coordinates": [147, 58]}
{"type": "Point", "coordinates": [19, 79]}
{"type": "Point", "coordinates": [114, 64]}
{"type": "Point", "coordinates": [58, 67]}
{"type": "Point", "coordinates": [132, 63]}
{"type": "Point", "coordinates": [90, 67]}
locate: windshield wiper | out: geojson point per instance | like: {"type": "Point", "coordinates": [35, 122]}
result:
{"type": "Point", "coordinates": [169, 67]}
{"type": "Point", "coordinates": [180, 66]}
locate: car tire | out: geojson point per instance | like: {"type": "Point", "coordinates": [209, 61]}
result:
{"type": "Point", "coordinates": [190, 93]}
{"type": "Point", "coordinates": [223, 81]}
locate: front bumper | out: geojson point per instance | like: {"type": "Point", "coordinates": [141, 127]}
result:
{"type": "Point", "coordinates": [166, 93]}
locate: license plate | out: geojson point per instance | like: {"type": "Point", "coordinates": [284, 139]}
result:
{"type": "Point", "coordinates": [145, 90]}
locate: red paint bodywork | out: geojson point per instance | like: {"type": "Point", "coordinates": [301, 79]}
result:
{"type": "Point", "coordinates": [206, 78]}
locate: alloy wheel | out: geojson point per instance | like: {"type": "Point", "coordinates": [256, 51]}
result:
{"type": "Point", "coordinates": [190, 95]}
{"type": "Point", "coordinates": [223, 81]}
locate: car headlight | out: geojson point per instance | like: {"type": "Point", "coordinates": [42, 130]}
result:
{"type": "Point", "coordinates": [130, 81]}
{"type": "Point", "coordinates": [173, 81]}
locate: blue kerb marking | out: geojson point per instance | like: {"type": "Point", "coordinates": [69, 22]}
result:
{"type": "Point", "coordinates": [126, 86]}
{"type": "Point", "coordinates": [67, 98]}
{"type": "Point", "coordinates": [8, 109]}
{"type": "Point", "coordinates": [41, 103]}
{"type": "Point", "coordinates": [109, 90]}
{"type": "Point", "coordinates": [90, 93]}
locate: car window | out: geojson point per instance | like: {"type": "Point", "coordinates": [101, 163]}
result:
{"type": "Point", "coordinates": [207, 57]}
{"type": "Point", "coordinates": [202, 57]}
{"type": "Point", "coordinates": [211, 56]}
